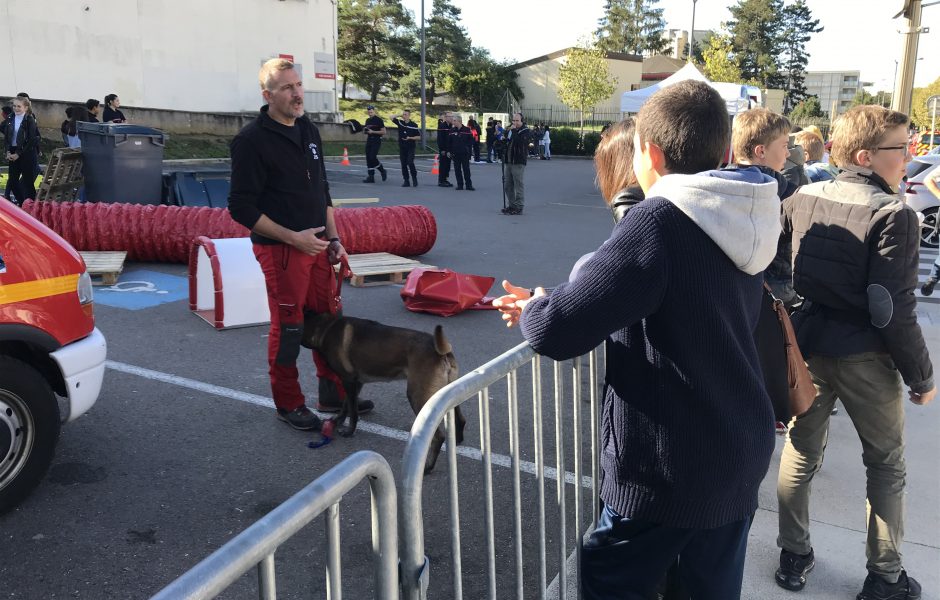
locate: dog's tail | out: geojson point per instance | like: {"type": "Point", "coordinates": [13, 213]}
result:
{"type": "Point", "coordinates": [441, 345]}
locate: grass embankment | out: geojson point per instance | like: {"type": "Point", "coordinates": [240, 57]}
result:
{"type": "Point", "coordinates": [356, 109]}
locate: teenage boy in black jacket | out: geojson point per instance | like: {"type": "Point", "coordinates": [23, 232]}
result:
{"type": "Point", "coordinates": [279, 192]}
{"type": "Point", "coordinates": [408, 135]}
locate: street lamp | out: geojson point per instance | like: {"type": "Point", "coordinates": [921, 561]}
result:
{"type": "Point", "coordinates": [691, 45]}
{"type": "Point", "coordinates": [424, 141]}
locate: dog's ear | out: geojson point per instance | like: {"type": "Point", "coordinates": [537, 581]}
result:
{"type": "Point", "coordinates": [441, 345]}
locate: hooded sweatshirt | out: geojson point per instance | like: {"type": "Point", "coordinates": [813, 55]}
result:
{"type": "Point", "coordinates": [687, 426]}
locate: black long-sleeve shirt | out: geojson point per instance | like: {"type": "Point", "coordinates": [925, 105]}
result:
{"type": "Point", "coordinates": [279, 172]}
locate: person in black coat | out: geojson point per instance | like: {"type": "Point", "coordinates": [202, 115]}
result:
{"type": "Point", "coordinates": [112, 114]}
{"type": "Point", "coordinates": [443, 135]}
{"type": "Point", "coordinates": [21, 135]}
{"type": "Point", "coordinates": [461, 147]}
{"type": "Point", "coordinates": [408, 136]}
{"type": "Point", "coordinates": [475, 127]}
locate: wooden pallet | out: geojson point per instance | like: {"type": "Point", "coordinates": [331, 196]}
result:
{"type": "Point", "coordinates": [106, 264]}
{"type": "Point", "coordinates": [63, 176]}
{"type": "Point", "coordinates": [380, 268]}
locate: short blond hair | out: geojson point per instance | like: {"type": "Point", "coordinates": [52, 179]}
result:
{"type": "Point", "coordinates": [756, 127]}
{"type": "Point", "coordinates": [270, 68]}
{"type": "Point", "coordinates": [811, 143]}
{"type": "Point", "coordinates": [814, 129]}
{"type": "Point", "coordinates": [862, 128]}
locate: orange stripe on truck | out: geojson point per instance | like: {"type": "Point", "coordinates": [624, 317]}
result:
{"type": "Point", "coordinates": [39, 288]}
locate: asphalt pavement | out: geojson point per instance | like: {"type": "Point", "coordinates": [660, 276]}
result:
{"type": "Point", "coordinates": [183, 450]}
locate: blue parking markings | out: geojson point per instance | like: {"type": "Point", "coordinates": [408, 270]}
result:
{"type": "Point", "coordinates": [136, 290]}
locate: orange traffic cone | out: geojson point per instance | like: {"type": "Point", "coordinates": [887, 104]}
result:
{"type": "Point", "coordinates": [434, 169]}
{"type": "Point", "coordinates": [345, 161]}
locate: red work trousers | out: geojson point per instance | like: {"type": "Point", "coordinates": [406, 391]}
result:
{"type": "Point", "coordinates": [296, 283]}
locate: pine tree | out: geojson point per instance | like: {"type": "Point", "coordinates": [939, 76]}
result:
{"type": "Point", "coordinates": [446, 45]}
{"type": "Point", "coordinates": [632, 27]}
{"type": "Point", "coordinates": [375, 44]}
{"type": "Point", "coordinates": [755, 30]}
{"type": "Point", "coordinates": [798, 27]}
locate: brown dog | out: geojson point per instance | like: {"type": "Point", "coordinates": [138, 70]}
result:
{"type": "Point", "coordinates": [360, 351]}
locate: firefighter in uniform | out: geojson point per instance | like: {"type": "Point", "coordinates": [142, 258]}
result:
{"type": "Point", "coordinates": [460, 144]}
{"type": "Point", "coordinates": [374, 129]}
{"type": "Point", "coordinates": [443, 134]}
{"type": "Point", "coordinates": [408, 135]}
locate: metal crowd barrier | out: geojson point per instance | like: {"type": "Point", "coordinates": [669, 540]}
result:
{"type": "Point", "coordinates": [415, 567]}
{"type": "Point", "coordinates": [257, 544]}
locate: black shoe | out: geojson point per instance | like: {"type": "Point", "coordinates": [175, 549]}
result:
{"type": "Point", "coordinates": [301, 418]}
{"type": "Point", "coordinates": [406, 184]}
{"type": "Point", "coordinates": [383, 173]}
{"type": "Point", "coordinates": [414, 181]}
{"type": "Point", "coordinates": [369, 179]}
{"type": "Point", "coordinates": [793, 569]}
{"type": "Point", "coordinates": [445, 184]}
{"type": "Point", "coordinates": [876, 588]}
{"type": "Point", "coordinates": [365, 406]}
{"type": "Point", "coordinates": [459, 187]}
{"type": "Point", "coordinates": [928, 286]}
{"type": "Point", "coordinates": [470, 188]}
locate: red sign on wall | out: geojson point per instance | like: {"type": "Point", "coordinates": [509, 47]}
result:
{"type": "Point", "coordinates": [289, 57]}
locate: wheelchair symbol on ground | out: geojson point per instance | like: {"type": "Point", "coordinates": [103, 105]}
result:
{"type": "Point", "coordinates": [142, 288]}
{"type": "Point", "coordinates": [135, 286]}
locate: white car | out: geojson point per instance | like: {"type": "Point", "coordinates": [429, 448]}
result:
{"type": "Point", "coordinates": [921, 200]}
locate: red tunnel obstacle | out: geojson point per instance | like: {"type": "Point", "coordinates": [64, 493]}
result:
{"type": "Point", "coordinates": [160, 233]}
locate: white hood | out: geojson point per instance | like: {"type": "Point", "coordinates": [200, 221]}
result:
{"type": "Point", "coordinates": [739, 214]}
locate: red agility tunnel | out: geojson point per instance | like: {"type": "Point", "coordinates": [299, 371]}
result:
{"type": "Point", "coordinates": [161, 233]}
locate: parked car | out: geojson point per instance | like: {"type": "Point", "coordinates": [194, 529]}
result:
{"type": "Point", "coordinates": [921, 200]}
{"type": "Point", "coordinates": [49, 347]}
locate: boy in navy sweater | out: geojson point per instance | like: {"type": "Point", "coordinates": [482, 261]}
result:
{"type": "Point", "coordinates": [687, 425]}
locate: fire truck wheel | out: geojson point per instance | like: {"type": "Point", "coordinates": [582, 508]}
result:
{"type": "Point", "coordinates": [29, 430]}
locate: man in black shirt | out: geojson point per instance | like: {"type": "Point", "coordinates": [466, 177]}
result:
{"type": "Point", "coordinates": [408, 134]}
{"type": "Point", "coordinates": [460, 143]}
{"type": "Point", "coordinates": [374, 129]}
{"type": "Point", "coordinates": [443, 135]}
{"type": "Point", "coordinates": [93, 107]}
{"type": "Point", "coordinates": [279, 191]}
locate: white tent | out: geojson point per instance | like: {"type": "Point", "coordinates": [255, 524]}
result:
{"type": "Point", "coordinates": [735, 94]}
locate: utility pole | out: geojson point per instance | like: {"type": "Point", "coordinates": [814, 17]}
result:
{"type": "Point", "coordinates": [692, 33]}
{"type": "Point", "coordinates": [904, 78]}
{"type": "Point", "coordinates": [424, 134]}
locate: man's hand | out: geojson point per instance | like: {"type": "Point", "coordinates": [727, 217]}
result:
{"type": "Point", "coordinates": [512, 304]}
{"type": "Point", "coordinates": [336, 252]}
{"type": "Point", "coordinates": [13, 157]}
{"type": "Point", "coordinates": [923, 399]}
{"type": "Point", "coordinates": [307, 241]}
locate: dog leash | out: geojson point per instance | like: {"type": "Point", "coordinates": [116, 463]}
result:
{"type": "Point", "coordinates": [326, 435]}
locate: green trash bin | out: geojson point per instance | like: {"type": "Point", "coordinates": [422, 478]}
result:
{"type": "Point", "coordinates": [122, 163]}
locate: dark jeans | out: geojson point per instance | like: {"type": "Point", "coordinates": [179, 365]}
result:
{"type": "Point", "coordinates": [444, 168]}
{"type": "Point", "coordinates": [462, 169]}
{"type": "Point", "coordinates": [372, 153]}
{"type": "Point", "coordinates": [476, 151]}
{"type": "Point", "coordinates": [627, 559]}
{"type": "Point", "coordinates": [490, 152]}
{"type": "Point", "coordinates": [22, 179]}
{"type": "Point", "coordinates": [407, 156]}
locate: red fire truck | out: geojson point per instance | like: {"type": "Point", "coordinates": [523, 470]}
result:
{"type": "Point", "coordinates": [49, 348]}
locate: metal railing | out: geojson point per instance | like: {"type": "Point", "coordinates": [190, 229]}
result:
{"type": "Point", "coordinates": [256, 545]}
{"type": "Point", "coordinates": [415, 572]}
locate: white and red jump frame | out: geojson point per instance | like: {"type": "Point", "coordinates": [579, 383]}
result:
{"type": "Point", "coordinates": [226, 285]}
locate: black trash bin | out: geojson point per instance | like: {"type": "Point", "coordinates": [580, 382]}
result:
{"type": "Point", "coordinates": [123, 163]}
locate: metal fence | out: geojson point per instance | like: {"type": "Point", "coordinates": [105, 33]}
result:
{"type": "Point", "coordinates": [415, 566]}
{"type": "Point", "coordinates": [256, 545]}
{"type": "Point", "coordinates": [563, 116]}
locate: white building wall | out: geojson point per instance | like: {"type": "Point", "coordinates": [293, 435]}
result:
{"type": "Point", "coordinates": [191, 55]}
{"type": "Point", "coordinates": [839, 87]}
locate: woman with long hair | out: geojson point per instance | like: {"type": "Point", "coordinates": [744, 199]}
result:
{"type": "Point", "coordinates": [22, 151]}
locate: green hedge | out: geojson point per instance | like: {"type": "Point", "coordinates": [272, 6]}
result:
{"type": "Point", "coordinates": [590, 142]}
{"type": "Point", "coordinates": [568, 141]}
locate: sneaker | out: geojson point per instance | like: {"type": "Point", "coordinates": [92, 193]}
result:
{"type": "Point", "coordinates": [928, 286]}
{"type": "Point", "coordinates": [445, 184]}
{"type": "Point", "coordinates": [793, 569]}
{"type": "Point", "coordinates": [414, 183]}
{"type": "Point", "coordinates": [876, 588]}
{"type": "Point", "coordinates": [512, 211]}
{"type": "Point", "coordinates": [301, 418]}
{"type": "Point", "coordinates": [365, 407]}
{"type": "Point", "coordinates": [459, 187]}
{"type": "Point", "coordinates": [406, 184]}
{"type": "Point", "coordinates": [470, 188]}
{"type": "Point", "coordinates": [369, 179]}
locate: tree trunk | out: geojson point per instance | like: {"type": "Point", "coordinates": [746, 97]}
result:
{"type": "Point", "coordinates": [582, 122]}
{"type": "Point", "coordinates": [343, 96]}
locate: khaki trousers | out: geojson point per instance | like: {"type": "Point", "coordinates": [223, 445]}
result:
{"type": "Point", "coordinates": [870, 388]}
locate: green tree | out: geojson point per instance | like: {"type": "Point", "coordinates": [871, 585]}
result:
{"type": "Point", "coordinates": [863, 98]}
{"type": "Point", "coordinates": [807, 109]}
{"type": "Point", "coordinates": [479, 80]}
{"type": "Point", "coordinates": [798, 27]}
{"type": "Point", "coordinates": [718, 63]}
{"type": "Point", "coordinates": [755, 31]}
{"type": "Point", "coordinates": [446, 45]}
{"type": "Point", "coordinates": [920, 114]}
{"type": "Point", "coordinates": [375, 44]}
{"type": "Point", "coordinates": [632, 27]}
{"type": "Point", "coordinates": [584, 79]}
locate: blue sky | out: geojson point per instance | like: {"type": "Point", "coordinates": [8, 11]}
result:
{"type": "Point", "coordinates": [859, 34]}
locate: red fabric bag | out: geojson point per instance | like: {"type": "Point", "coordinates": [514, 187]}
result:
{"type": "Point", "coordinates": [444, 292]}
